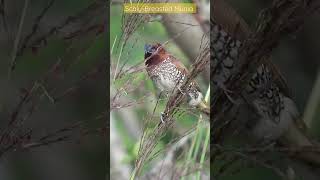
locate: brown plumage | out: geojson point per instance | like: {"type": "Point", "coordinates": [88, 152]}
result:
{"type": "Point", "coordinates": [169, 73]}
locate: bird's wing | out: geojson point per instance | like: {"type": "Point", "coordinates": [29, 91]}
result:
{"type": "Point", "coordinates": [184, 70]}
{"type": "Point", "coordinates": [279, 78]}
{"type": "Point", "coordinates": [179, 65]}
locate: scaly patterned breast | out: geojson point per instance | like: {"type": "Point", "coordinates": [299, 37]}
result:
{"type": "Point", "coordinates": [261, 92]}
{"type": "Point", "coordinates": [165, 75]}
{"type": "Point", "coordinates": [225, 53]}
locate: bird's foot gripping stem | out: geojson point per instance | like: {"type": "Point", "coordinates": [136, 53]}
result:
{"type": "Point", "coordinates": [162, 117]}
{"type": "Point", "coordinates": [181, 91]}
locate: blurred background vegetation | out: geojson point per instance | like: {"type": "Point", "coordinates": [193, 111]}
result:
{"type": "Point", "coordinates": [65, 61]}
{"type": "Point", "coordinates": [79, 48]}
{"type": "Point", "coordinates": [298, 59]}
{"type": "Point", "coordinates": [134, 97]}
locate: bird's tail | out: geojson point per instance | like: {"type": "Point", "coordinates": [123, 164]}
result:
{"type": "Point", "coordinates": [204, 108]}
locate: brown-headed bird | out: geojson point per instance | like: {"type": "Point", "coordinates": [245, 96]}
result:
{"type": "Point", "coordinates": [168, 73]}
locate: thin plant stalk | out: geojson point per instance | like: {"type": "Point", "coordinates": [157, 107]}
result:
{"type": "Point", "coordinates": [206, 141]}
{"type": "Point", "coordinates": [196, 142]}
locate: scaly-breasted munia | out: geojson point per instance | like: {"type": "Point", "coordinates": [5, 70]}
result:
{"type": "Point", "coordinates": [169, 73]}
{"type": "Point", "coordinates": [269, 114]}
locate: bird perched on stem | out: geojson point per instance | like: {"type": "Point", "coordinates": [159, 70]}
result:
{"type": "Point", "coordinates": [265, 107]}
{"type": "Point", "coordinates": [169, 73]}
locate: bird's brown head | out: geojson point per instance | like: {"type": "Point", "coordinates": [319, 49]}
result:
{"type": "Point", "coordinates": [154, 54]}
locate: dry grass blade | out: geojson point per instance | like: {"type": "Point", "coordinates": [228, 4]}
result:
{"type": "Point", "coordinates": [17, 39]}
{"type": "Point", "coordinates": [172, 107]}
{"type": "Point", "coordinates": [284, 17]}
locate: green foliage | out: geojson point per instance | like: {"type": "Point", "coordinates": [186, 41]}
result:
{"type": "Point", "coordinates": [133, 54]}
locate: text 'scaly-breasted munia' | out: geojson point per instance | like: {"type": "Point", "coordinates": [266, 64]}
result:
{"type": "Point", "coordinates": [169, 73]}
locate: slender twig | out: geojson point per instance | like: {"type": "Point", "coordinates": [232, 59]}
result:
{"type": "Point", "coordinates": [17, 39]}
{"type": "Point", "coordinates": [174, 102]}
{"type": "Point", "coordinates": [92, 9]}
{"type": "Point", "coordinates": [36, 24]}
{"type": "Point", "coordinates": [270, 27]}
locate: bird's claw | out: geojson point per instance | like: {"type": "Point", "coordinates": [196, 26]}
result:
{"type": "Point", "coordinates": [162, 117]}
{"type": "Point", "coordinates": [181, 91]}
